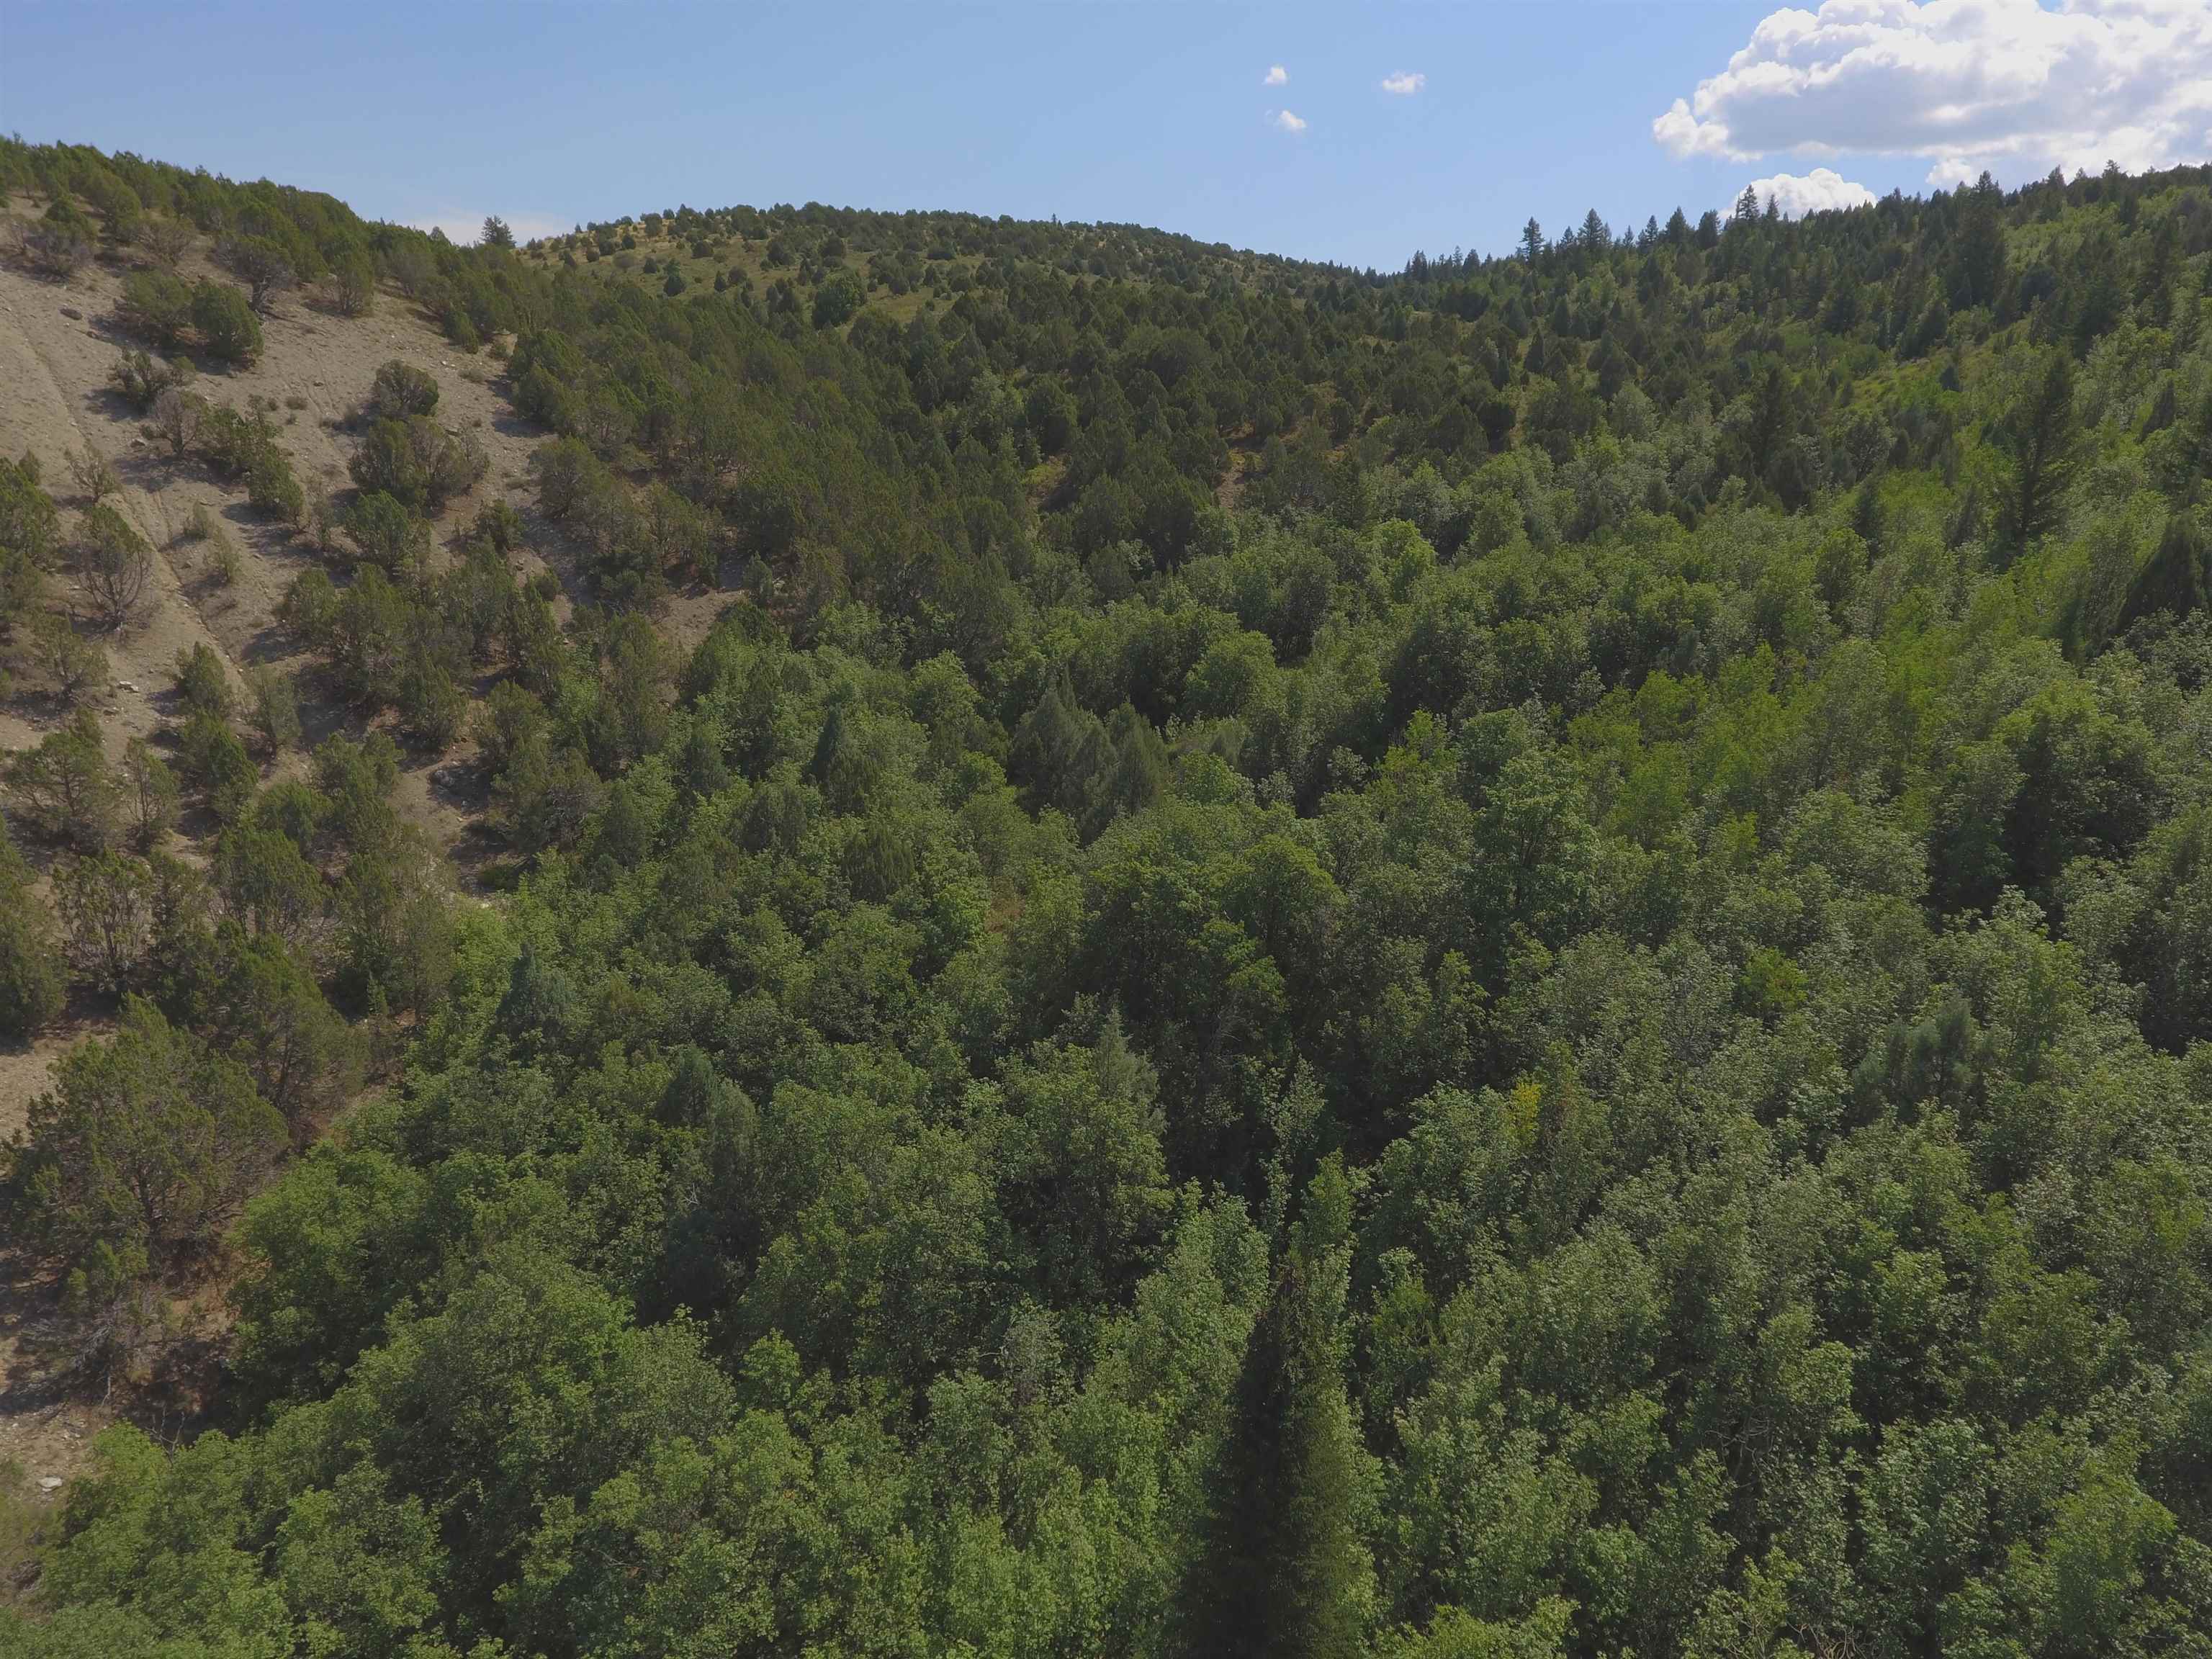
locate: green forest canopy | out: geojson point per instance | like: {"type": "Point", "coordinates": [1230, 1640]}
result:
{"type": "Point", "coordinates": [1508, 959]}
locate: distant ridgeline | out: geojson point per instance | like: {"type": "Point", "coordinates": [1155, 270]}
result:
{"type": "Point", "coordinates": [1507, 959]}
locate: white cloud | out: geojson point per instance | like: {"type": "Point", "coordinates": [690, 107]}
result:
{"type": "Point", "coordinates": [2002, 84]}
{"type": "Point", "coordinates": [466, 228]}
{"type": "Point", "coordinates": [1821, 191]}
{"type": "Point", "coordinates": [1405, 82]}
{"type": "Point", "coordinates": [1277, 76]}
{"type": "Point", "coordinates": [1287, 121]}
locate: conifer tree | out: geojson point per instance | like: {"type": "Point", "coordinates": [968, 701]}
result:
{"type": "Point", "coordinates": [1285, 1573]}
{"type": "Point", "coordinates": [2042, 432]}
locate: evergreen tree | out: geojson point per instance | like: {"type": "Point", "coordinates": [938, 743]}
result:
{"type": "Point", "coordinates": [1285, 1571]}
{"type": "Point", "coordinates": [2040, 433]}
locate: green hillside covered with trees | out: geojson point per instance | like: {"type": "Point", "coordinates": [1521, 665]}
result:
{"type": "Point", "coordinates": [1507, 959]}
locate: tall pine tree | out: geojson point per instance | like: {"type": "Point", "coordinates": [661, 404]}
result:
{"type": "Point", "coordinates": [1285, 1572]}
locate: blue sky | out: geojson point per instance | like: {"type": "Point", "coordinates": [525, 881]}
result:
{"type": "Point", "coordinates": [553, 113]}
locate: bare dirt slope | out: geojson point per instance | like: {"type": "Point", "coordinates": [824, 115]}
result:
{"type": "Point", "coordinates": [58, 344]}
{"type": "Point", "coordinates": [54, 396]}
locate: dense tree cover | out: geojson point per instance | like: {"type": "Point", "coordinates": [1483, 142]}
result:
{"type": "Point", "coordinates": [1506, 960]}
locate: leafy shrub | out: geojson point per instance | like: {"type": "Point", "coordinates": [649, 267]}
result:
{"type": "Point", "coordinates": [273, 708]}
{"type": "Point", "coordinates": [225, 563]}
{"type": "Point", "coordinates": [142, 380]}
{"type": "Point", "coordinates": [178, 417]}
{"type": "Point", "coordinates": [400, 390]}
{"type": "Point", "coordinates": [498, 525]}
{"type": "Point", "coordinates": [150, 791]}
{"type": "Point", "coordinates": [120, 209]}
{"type": "Point", "coordinates": [430, 697]}
{"type": "Point", "coordinates": [225, 322]}
{"type": "Point", "coordinates": [418, 463]}
{"type": "Point", "coordinates": [33, 980]}
{"type": "Point", "coordinates": [309, 605]}
{"type": "Point", "coordinates": [242, 446]}
{"type": "Point", "coordinates": [272, 487]}
{"type": "Point", "coordinates": [157, 306]}
{"type": "Point", "coordinates": [386, 466]}
{"type": "Point", "coordinates": [353, 283]}
{"type": "Point", "coordinates": [567, 473]}
{"type": "Point", "coordinates": [837, 301]}
{"type": "Point", "coordinates": [383, 532]}
{"type": "Point", "coordinates": [202, 684]}
{"type": "Point", "coordinates": [147, 1144]}
{"type": "Point", "coordinates": [265, 268]}
{"type": "Point", "coordinates": [461, 330]}
{"type": "Point", "coordinates": [114, 563]}
{"type": "Point", "coordinates": [216, 763]}
{"type": "Point", "coordinates": [62, 786]}
{"type": "Point", "coordinates": [30, 527]}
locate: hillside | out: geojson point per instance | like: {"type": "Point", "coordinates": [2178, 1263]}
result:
{"type": "Point", "coordinates": [863, 933]}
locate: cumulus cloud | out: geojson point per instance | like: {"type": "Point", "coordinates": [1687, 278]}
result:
{"type": "Point", "coordinates": [1970, 84]}
{"type": "Point", "coordinates": [1405, 83]}
{"type": "Point", "coordinates": [1277, 76]}
{"type": "Point", "coordinates": [1288, 122]}
{"type": "Point", "coordinates": [1821, 191]}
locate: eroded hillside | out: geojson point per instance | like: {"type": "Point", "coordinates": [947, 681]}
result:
{"type": "Point", "coordinates": [59, 343]}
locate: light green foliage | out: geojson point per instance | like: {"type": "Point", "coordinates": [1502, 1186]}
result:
{"type": "Point", "coordinates": [273, 708]}
{"type": "Point", "coordinates": [227, 329]}
{"type": "Point", "coordinates": [202, 683]}
{"type": "Point", "coordinates": [145, 1144]}
{"type": "Point", "coordinates": [353, 283]}
{"type": "Point", "coordinates": [416, 462]}
{"type": "Point", "coordinates": [1503, 960]}
{"type": "Point", "coordinates": [62, 786]}
{"type": "Point", "coordinates": [400, 390]}
{"type": "Point", "coordinates": [149, 792]}
{"type": "Point", "coordinates": [30, 533]}
{"type": "Point", "coordinates": [72, 665]}
{"type": "Point", "coordinates": [107, 903]}
{"type": "Point", "coordinates": [32, 979]}
{"type": "Point", "coordinates": [157, 306]}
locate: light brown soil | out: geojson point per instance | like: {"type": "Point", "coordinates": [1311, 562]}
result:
{"type": "Point", "coordinates": [58, 343]}
{"type": "Point", "coordinates": [55, 398]}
